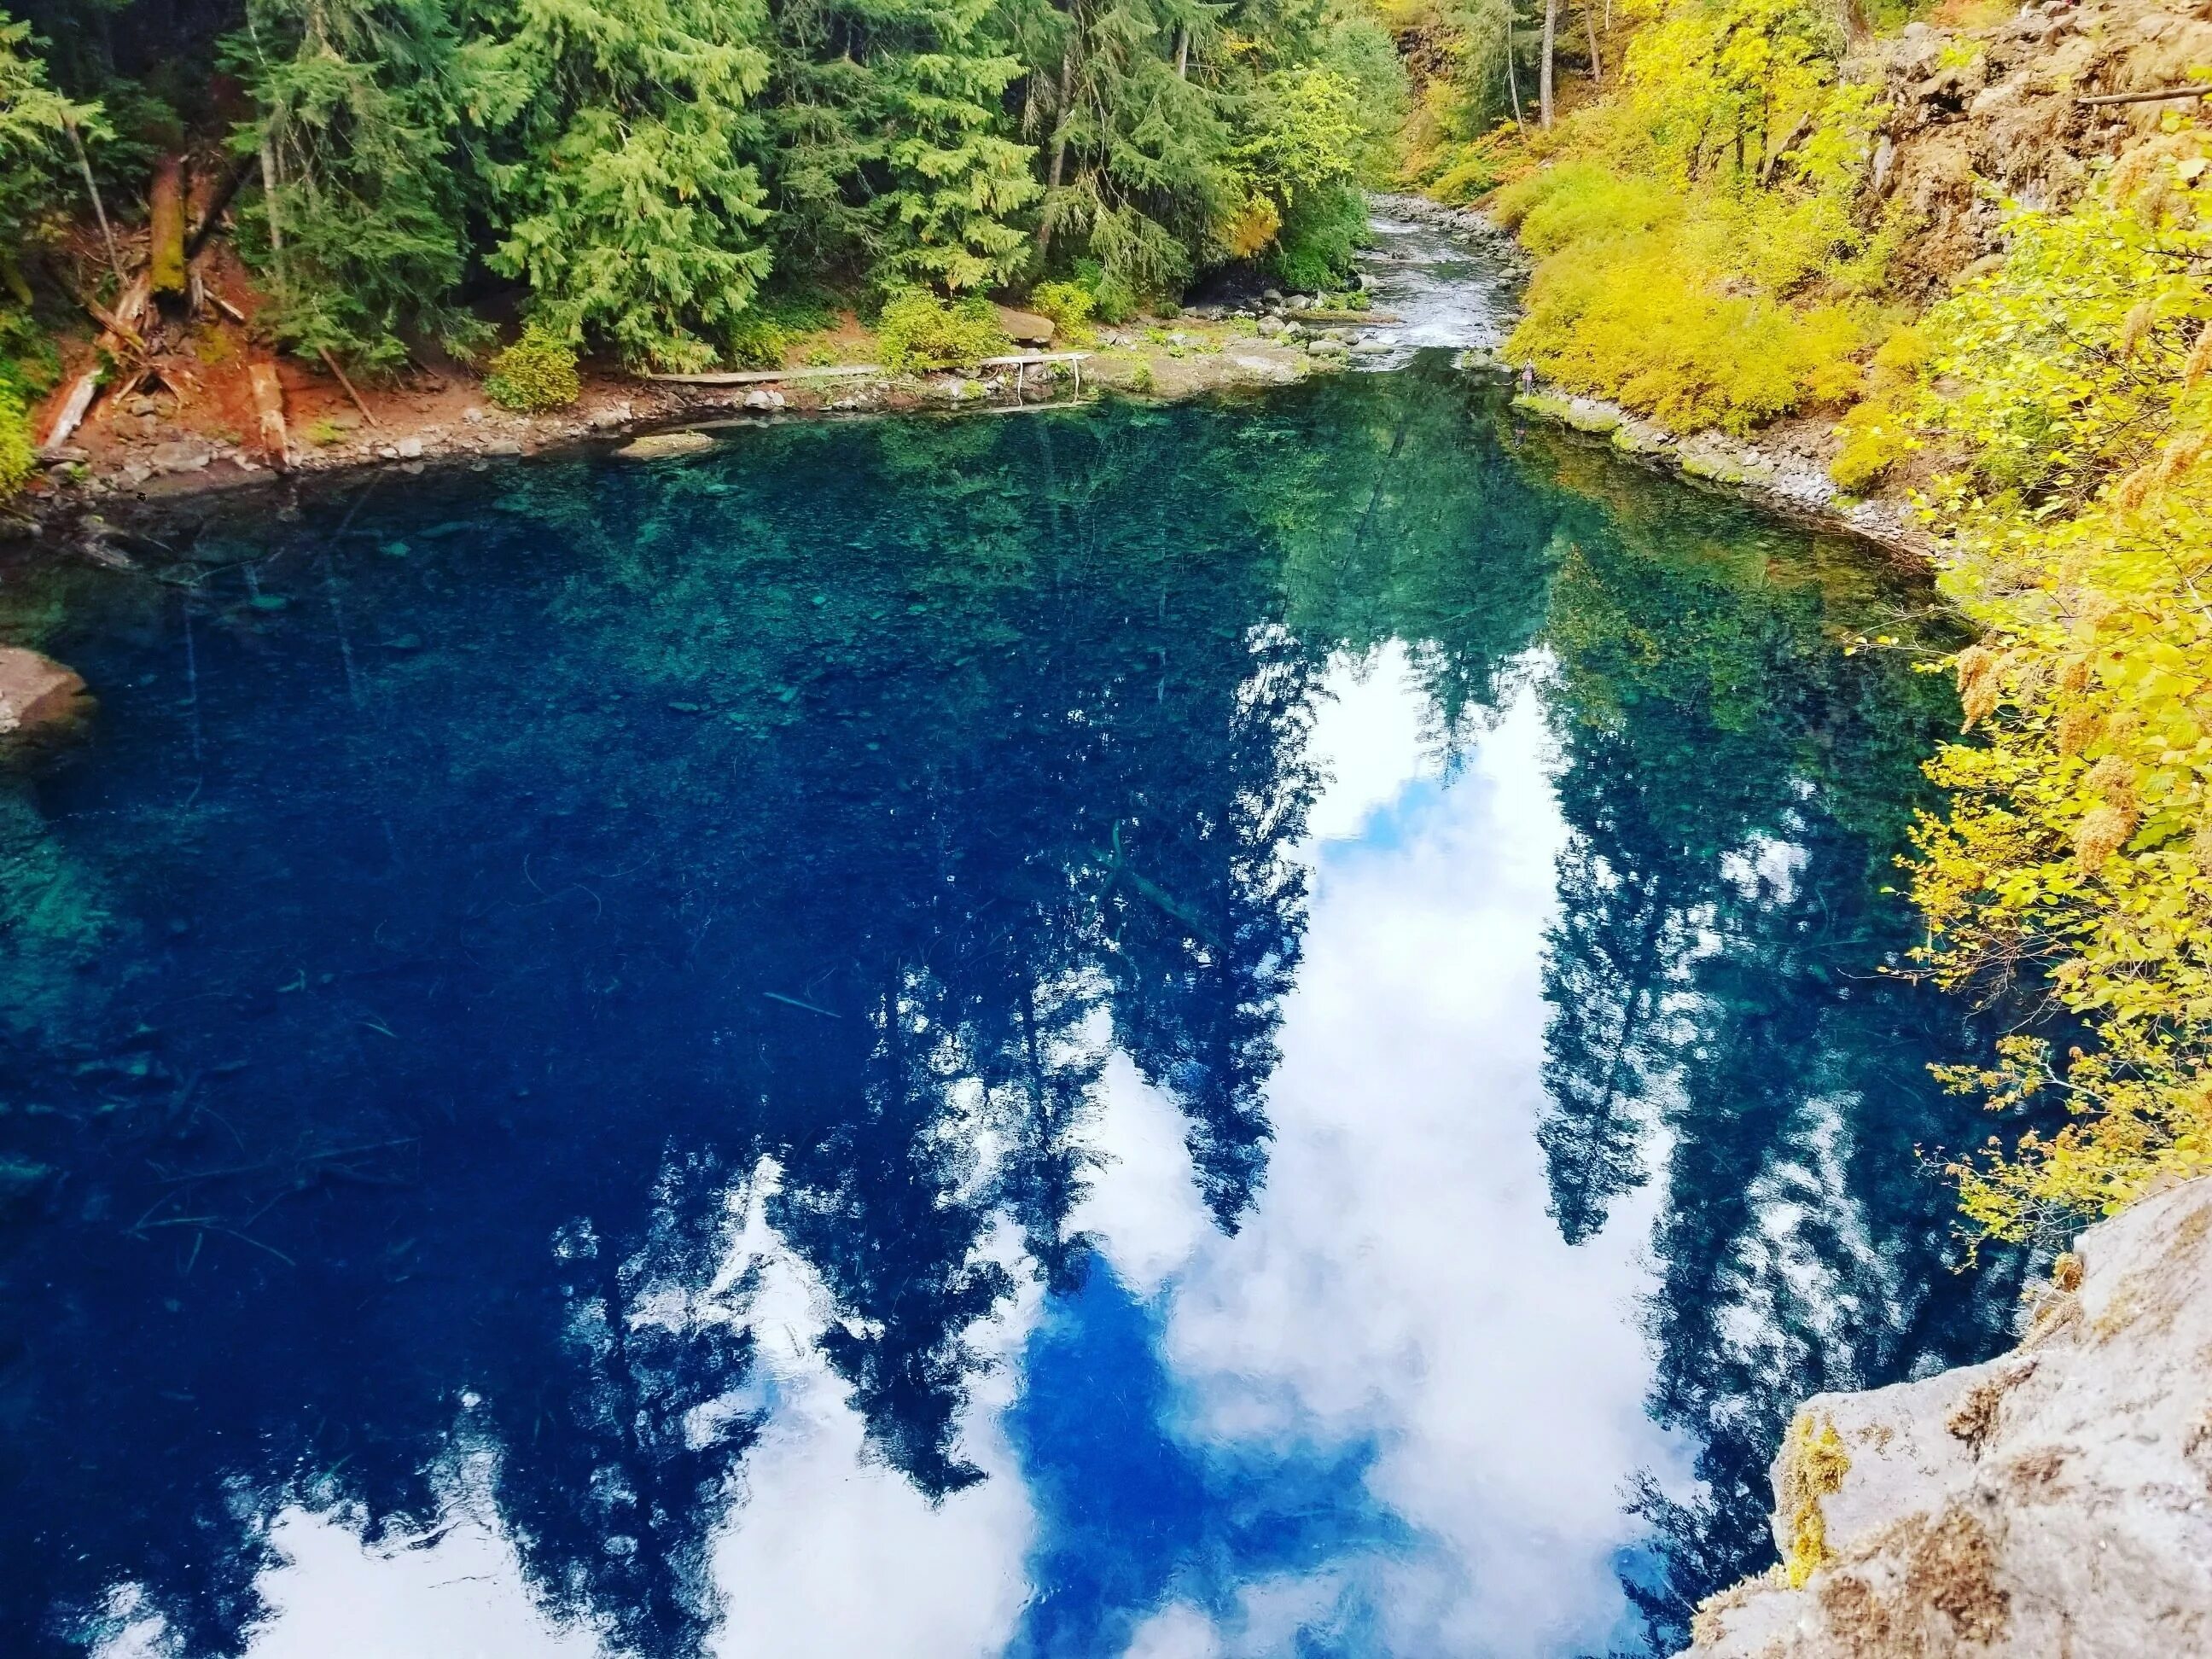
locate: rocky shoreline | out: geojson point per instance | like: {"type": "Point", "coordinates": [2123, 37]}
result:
{"type": "Point", "coordinates": [143, 466]}
{"type": "Point", "coordinates": [133, 482]}
{"type": "Point", "coordinates": [1785, 472]}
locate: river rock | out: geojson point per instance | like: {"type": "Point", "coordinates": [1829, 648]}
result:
{"type": "Point", "coordinates": [658, 446]}
{"type": "Point", "coordinates": [38, 697]}
{"type": "Point", "coordinates": [1267, 368]}
{"type": "Point", "coordinates": [179, 455]}
{"type": "Point", "coordinates": [1025, 327]}
{"type": "Point", "coordinates": [2055, 1501]}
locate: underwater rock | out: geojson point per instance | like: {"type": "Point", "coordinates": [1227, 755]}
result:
{"type": "Point", "coordinates": [38, 697]}
{"type": "Point", "coordinates": [2055, 1500]}
{"type": "Point", "coordinates": [655, 446]}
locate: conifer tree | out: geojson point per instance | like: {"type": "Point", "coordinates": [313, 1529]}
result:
{"type": "Point", "coordinates": [1133, 102]}
{"type": "Point", "coordinates": [891, 149]}
{"type": "Point", "coordinates": [360, 228]}
{"type": "Point", "coordinates": [619, 145]}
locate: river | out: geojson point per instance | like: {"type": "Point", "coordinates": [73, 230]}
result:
{"type": "Point", "coordinates": [1250, 1028]}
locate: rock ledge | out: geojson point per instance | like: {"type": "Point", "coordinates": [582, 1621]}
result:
{"type": "Point", "coordinates": [2056, 1500]}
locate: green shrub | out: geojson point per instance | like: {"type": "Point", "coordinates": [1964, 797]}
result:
{"type": "Point", "coordinates": [18, 460]}
{"type": "Point", "coordinates": [777, 322]}
{"type": "Point", "coordinates": [919, 330]}
{"type": "Point", "coordinates": [1112, 300]}
{"type": "Point", "coordinates": [538, 372]}
{"type": "Point", "coordinates": [1068, 305]}
{"type": "Point", "coordinates": [1321, 231]}
{"type": "Point", "coordinates": [758, 342]}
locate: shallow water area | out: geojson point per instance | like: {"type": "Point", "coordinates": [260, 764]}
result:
{"type": "Point", "coordinates": [1448, 286]}
{"type": "Point", "coordinates": [1246, 1029]}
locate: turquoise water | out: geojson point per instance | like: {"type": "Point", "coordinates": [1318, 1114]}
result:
{"type": "Point", "coordinates": [1243, 1029]}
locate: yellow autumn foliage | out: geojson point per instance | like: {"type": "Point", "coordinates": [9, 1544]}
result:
{"type": "Point", "coordinates": [2076, 856]}
{"type": "Point", "coordinates": [1702, 260]}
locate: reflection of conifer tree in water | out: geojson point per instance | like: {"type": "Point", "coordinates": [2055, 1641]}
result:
{"type": "Point", "coordinates": [1733, 787]}
{"type": "Point", "coordinates": [1206, 916]}
{"type": "Point", "coordinates": [1606, 965]}
{"type": "Point", "coordinates": [1402, 517]}
{"type": "Point", "coordinates": [608, 1475]}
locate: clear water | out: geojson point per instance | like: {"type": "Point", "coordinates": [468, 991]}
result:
{"type": "Point", "coordinates": [1244, 1029]}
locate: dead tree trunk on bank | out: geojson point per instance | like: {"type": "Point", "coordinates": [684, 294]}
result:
{"type": "Point", "coordinates": [165, 206]}
{"type": "Point", "coordinates": [1543, 70]}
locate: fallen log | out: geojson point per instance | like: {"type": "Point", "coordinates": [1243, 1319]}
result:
{"type": "Point", "coordinates": [762, 376]}
{"type": "Point", "coordinates": [269, 404]}
{"type": "Point", "coordinates": [165, 205]}
{"type": "Point", "coordinates": [2155, 95]}
{"type": "Point", "coordinates": [108, 348]}
{"type": "Point", "coordinates": [332, 364]}
{"type": "Point", "coordinates": [845, 371]}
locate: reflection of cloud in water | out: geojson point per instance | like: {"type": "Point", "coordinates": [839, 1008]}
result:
{"type": "Point", "coordinates": [1400, 1283]}
{"type": "Point", "coordinates": [827, 1548]}
{"type": "Point", "coordinates": [454, 1590]}
{"type": "Point", "coordinates": [1394, 1413]}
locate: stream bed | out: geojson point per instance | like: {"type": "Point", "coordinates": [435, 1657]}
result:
{"type": "Point", "coordinates": [1255, 1028]}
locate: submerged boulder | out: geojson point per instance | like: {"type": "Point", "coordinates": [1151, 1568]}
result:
{"type": "Point", "coordinates": [2057, 1500]}
{"type": "Point", "coordinates": [38, 697]}
{"type": "Point", "coordinates": [656, 445]}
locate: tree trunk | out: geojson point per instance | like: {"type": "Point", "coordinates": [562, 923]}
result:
{"type": "Point", "coordinates": [1512, 75]}
{"type": "Point", "coordinates": [1543, 68]}
{"type": "Point", "coordinates": [166, 228]}
{"type": "Point", "coordinates": [211, 213]}
{"type": "Point", "coordinates": [1183, 55]}
{"type": "Point", "coordinates": [269, 202]}
{"type": "Point", "coordinates": [1589, 17]}
{"type": "Point", "coordinates": [99, 207]}
{"type": "Point", "coordinates": [1059, 142]}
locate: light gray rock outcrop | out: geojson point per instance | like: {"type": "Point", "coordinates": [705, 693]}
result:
{"type": "Point", "coordinates": [2055, 1501]}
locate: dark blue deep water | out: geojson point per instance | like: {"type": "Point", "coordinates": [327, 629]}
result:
{"type": "Point", "coordinates": [1251, 1029]}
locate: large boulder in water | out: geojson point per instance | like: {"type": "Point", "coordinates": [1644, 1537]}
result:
{"type": "Point", "coordinates": [38, 697]}
{"type": "Point", "coordinates": [2055, 1501]}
